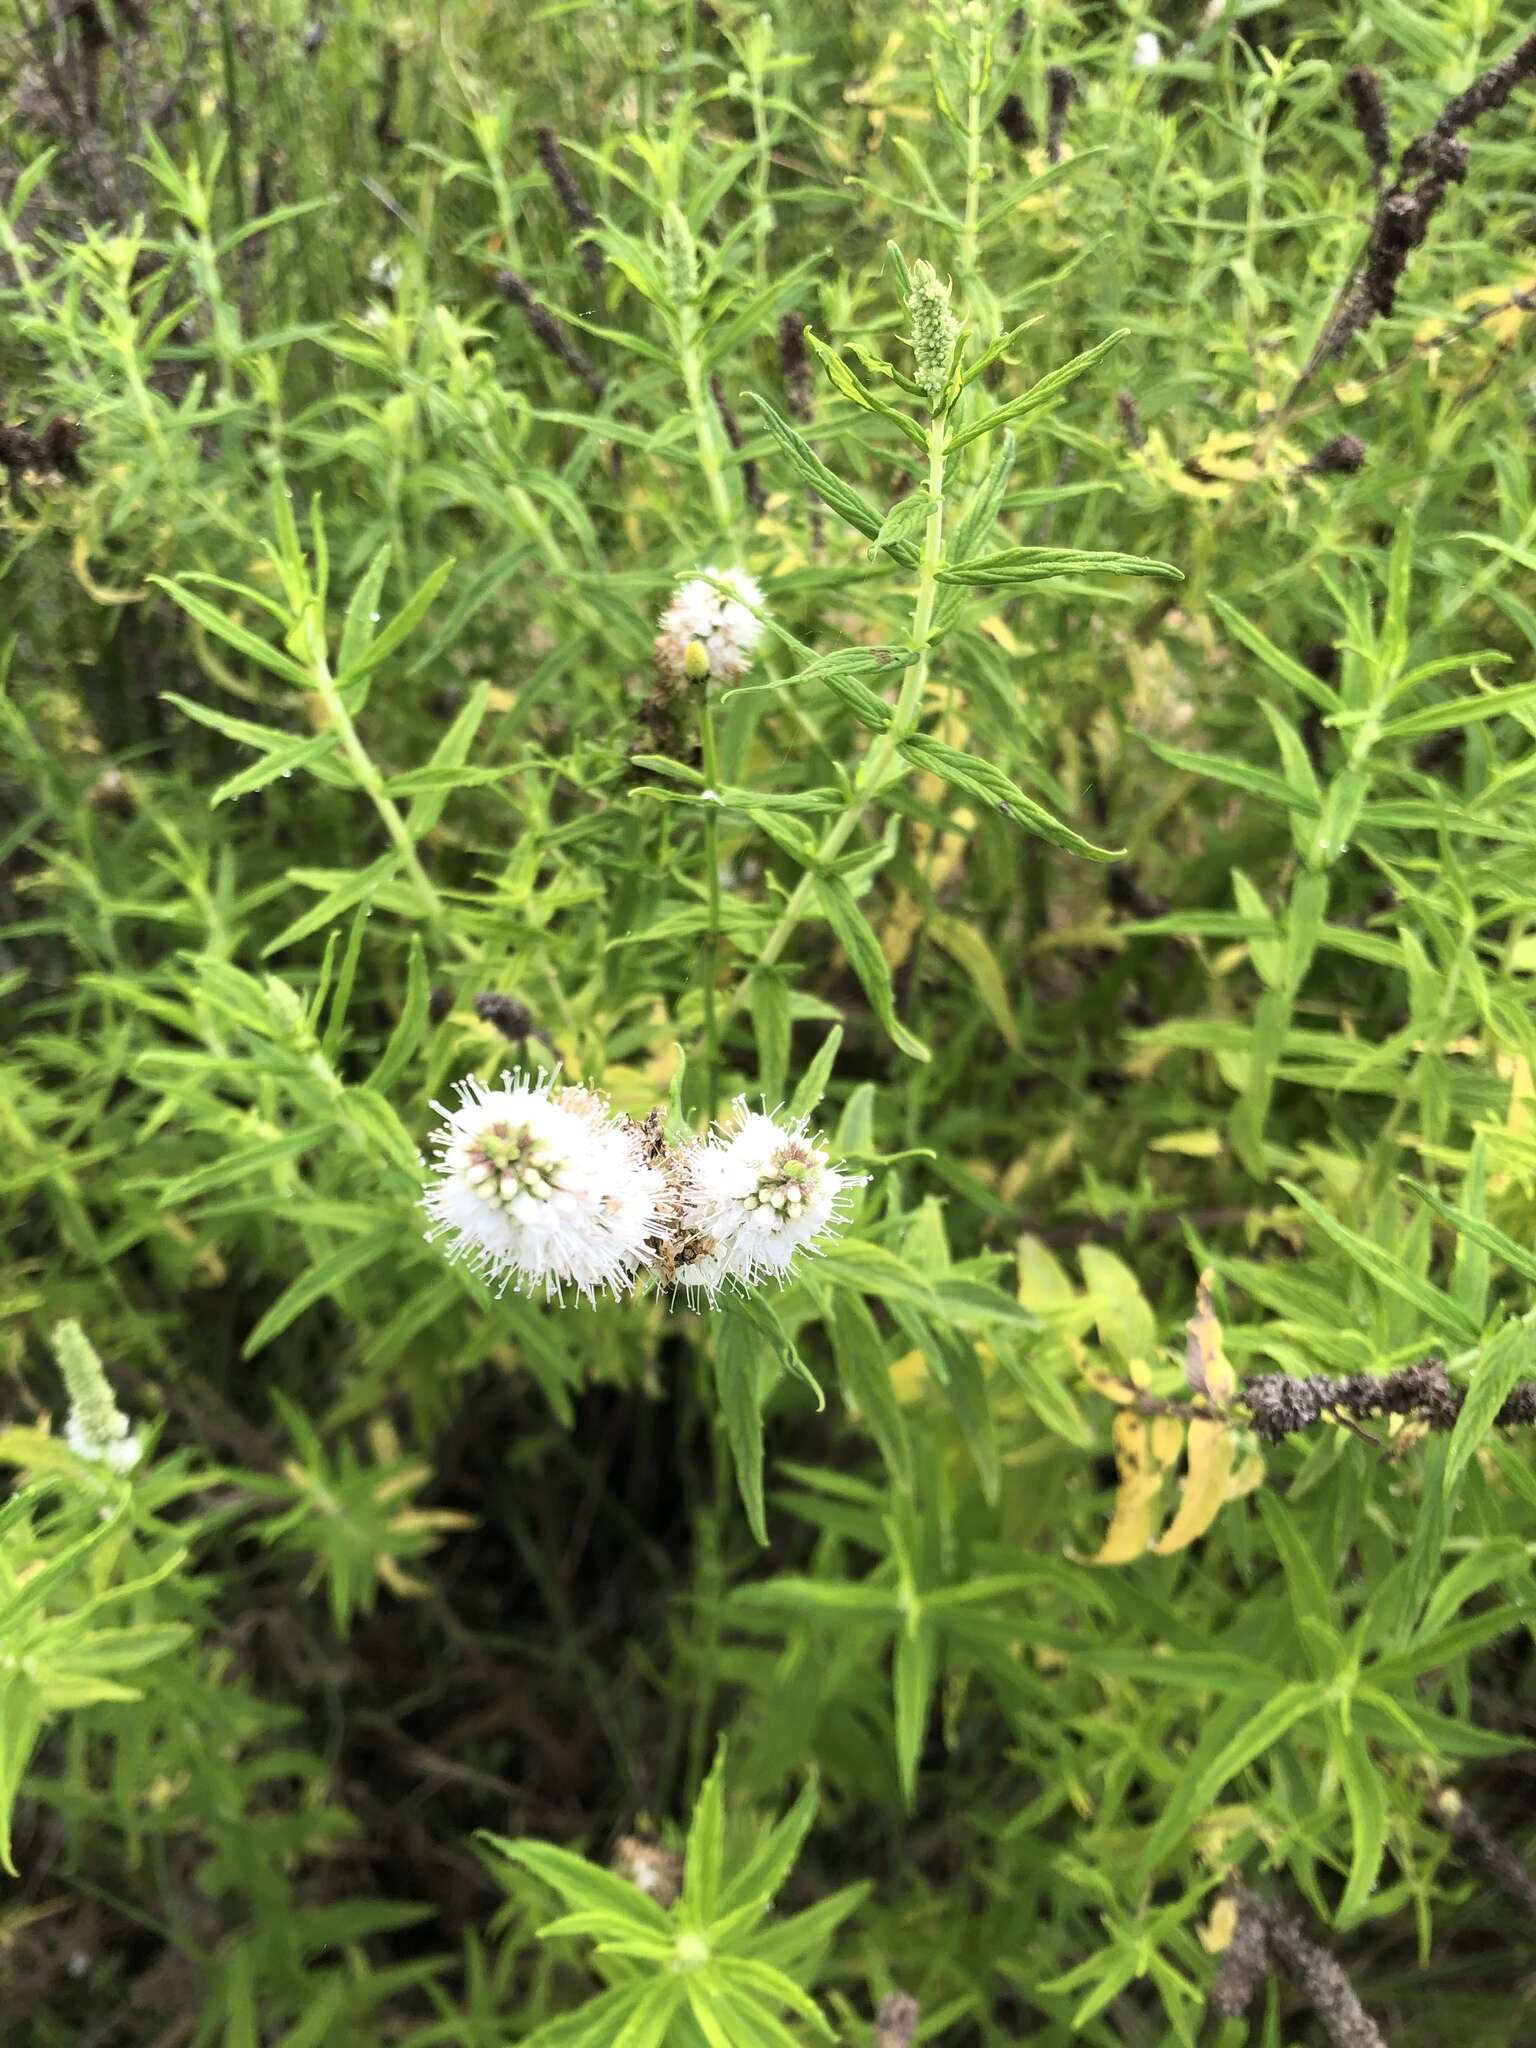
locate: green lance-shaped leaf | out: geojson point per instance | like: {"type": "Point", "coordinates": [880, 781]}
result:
{"type": "Point", "coordinates": [981, 778]}
{"type": "Point", "coordinates": [837, 496]}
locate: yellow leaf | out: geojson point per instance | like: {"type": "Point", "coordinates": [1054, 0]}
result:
{"type": "Point", "coordinates": [1136, 1512]}
{"type": "Point", "coordinates": [964, 943]}
{"type": "Point", "coordinates": [1218, 1931]}
{"type": "Point", "coordinates": [1247, 1478]}
{"type": "Point", "coordinates": [1201, 1144]}
{"type": "Point", "coordinates": [1205, 1486]}
{"type": "Point", "coordinates": [1205, 1360]}
{"type": "Point", "coordinates": [400, 1583]}
{"type": "Point", "coordinates": [1104, 1382]}
{"type": "Point", "coordinates": [100, 593]}
{"type": "Point", "coordinates": [909, 1375]}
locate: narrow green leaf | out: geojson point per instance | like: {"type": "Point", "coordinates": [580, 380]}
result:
{"type": "Point", "coordinates": [981, 778]}
{"type": "Point", "coordinates": [1506, 1361]}
{"type": "Point", "coordinates": [1435, 1306]}
{"type": "Point", "coordinates": [914, 1674]}
{"type": "Point", "coordinates": [866, 1380]}
{"type": "Point", "coordinates": [411, 1027]}
{"type": "Point", "coordinates": [233, 634]}
{"type": "Point", "coordinates": [1013, 568]}
{"type": "Point", "coordinates": [837, 496]}
{"type": "Point", "coordinates": [739, 1361]}
{"type": "Point", "coordinates": [865, 956]}
{"type": "Point", "coordinates": [1232, 1741]}
{"type": "Point", "coordinates": [328, 1273]}
{"type": "Point", "coordinates": [704, 1859]}
{"type": "Point", "coordinates": [1038, 395]}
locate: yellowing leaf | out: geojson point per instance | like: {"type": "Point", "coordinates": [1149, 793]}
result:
{"type": "Point", "coordinates": [1201, 1144]}
{"type": "Point", "coordinates": [1143, 1453]}
{"type": "Point", "coordinates": [1248, 1477]}
{"type": "Point", "coordinates": [1126, 1324]}
{"type": "Point", "coordinates": [964, 943]}
{"type": "Point", "coordinates": [1043, 1285]}
{"type": "Point", "coordinates": [1205, 1360]}
{"type": "Point", "coordinates": [1209, 1473]}
{"type": "Point", "coordinates": [909, 1376]}
{"type": "Point", "coordinates": [1109, 1384]}
{"type": "Point", "coordinates": [1219, 1929]}
{"type": "Point", "coordinates": [99, 593]}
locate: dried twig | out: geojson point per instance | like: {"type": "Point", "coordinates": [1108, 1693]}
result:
{"type": "Point", "coordinates": [1061, 90]}
{"type": "Point", "coordinates": [1430, 164]}
{"type": "Point", "coordinates": [896, 2021]}
{"type": "Point", "coordinates": [577, 212]}
{"type": "Point", "coordinates": [1267, 1938]}
{"type": "Point", "coordinates": [1483, 1849]}
{"type": "Point", "coordinates": [751, 483]}
{"type": "Point", "coordinates": [547, 330]}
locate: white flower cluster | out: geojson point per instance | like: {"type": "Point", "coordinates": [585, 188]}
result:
{"type": "Point", "coordinates": [751, 1196]}
{"type": "Point", "coordinates": [548, 1188]}
{"type": "Point", "coordinates": [544, 1187]}
{"type": "Point", "coordinates": [725, 627]}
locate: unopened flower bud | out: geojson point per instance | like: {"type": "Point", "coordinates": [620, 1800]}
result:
{"type": "Point", "coordinates": [97, 1428]}
{"type": "Point", "coordinates": [680, 257]}
{"type": "Point", "coordinates": [935, 330]}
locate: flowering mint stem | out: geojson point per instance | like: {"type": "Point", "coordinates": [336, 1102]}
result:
{"type": "Point", "coordinates": [705, 431]}
{"type": "Point", "coordinates": [877, 762]}
{"type": "Point", "coordinates": [712, 866]}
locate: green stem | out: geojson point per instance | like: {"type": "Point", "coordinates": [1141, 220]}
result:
{"type": "Point", "coordinates": [712, 870]}
{"type": "Point", "coordinates": [877, 762]}
{"type": "Point", "coordinates": [705, 430]}
{"type": "Point", "coordinates": [968, 250]}
{"type": "Point", "coordinates": [372, 784]}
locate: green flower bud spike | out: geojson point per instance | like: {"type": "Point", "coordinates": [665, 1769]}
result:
{"type": "Point", "coordinates": [935, 330]}
{"type": "Point", "coordinates": [680, 257]}
{"type": "Point", "coordinates": [97, 1428]}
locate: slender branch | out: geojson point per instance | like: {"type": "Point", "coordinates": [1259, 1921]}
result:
{"type": "Point", "coordinates": [1280, 1404]}
{"type": "Point", "coordinates": [877, 761]}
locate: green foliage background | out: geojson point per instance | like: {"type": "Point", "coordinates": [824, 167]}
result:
{"type": "Point", "coordinates": [324, 712]}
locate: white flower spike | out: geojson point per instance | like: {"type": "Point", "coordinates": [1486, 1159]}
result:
{"type": "Point", "coordinates": [753, 1195]}
{"type": "Point", "coordinates": [723, 626]}
{"type": "Point", "coordinates": [544, 1188]}
{"type": "Point", "coordinates": [96, 1429]}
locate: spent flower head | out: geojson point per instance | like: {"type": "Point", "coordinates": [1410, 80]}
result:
{"type": "Point", "coordinates": [544, 1187]}
{"type": "Point", "coordinates": [752, 1196]}
{"type": "Point", "coordinates": [935, 330]}
{"type": "Point", "coordinates": [709, 632]}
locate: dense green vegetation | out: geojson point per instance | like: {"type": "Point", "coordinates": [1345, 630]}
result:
{"type": "Point", "coordinates": [1090, 1600]}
